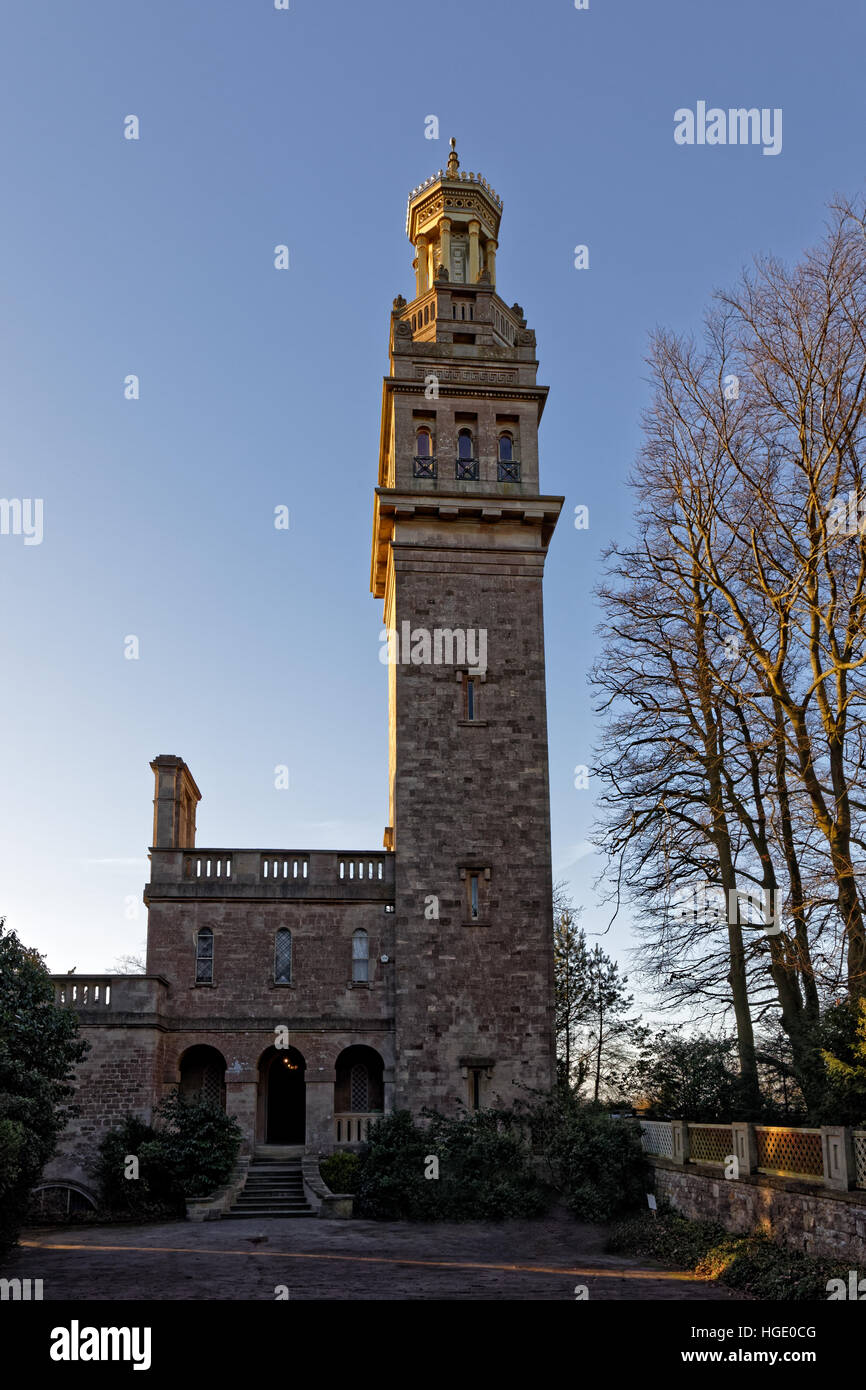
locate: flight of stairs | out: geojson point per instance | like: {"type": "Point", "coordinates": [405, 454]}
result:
{"type": "Point", "coordinates": [274, 1186]}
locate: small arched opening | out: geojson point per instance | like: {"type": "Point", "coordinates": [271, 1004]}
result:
{"type": "Point", "coordinates": [203, 1076]}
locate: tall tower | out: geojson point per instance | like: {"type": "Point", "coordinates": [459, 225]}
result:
{"type": "Point", "coordinates": [460, 534]}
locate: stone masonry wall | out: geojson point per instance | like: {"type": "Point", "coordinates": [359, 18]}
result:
{"type": "Point", "coordinates": [798, 1215]}
{"type": "Point", "coordinates": [472, 796]}
{"type": "Point", "coordinates": [117, 1077]}
{"type": "Point", "coordinates": [244, 935]}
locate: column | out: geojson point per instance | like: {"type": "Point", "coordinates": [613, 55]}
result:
{"type": "Point", "coordinates": [745, 1145]}
{"type": "Point", "coordinates": [490, 252]}
{"type": "Point", "coordinates": [421, 282]}
{"type": "Point", "coordinates": [445, 243]}
{"type": "Point", "coordinates": [474, 259]}
{"type": "Point", "coordinates": [837, 1145]}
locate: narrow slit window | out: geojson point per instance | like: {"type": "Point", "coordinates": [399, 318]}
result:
{"type": "Point", "coordinates": [360, 957]}
{"type": "Point", "coordinates": [204, 957]}
{"type": "Point", "coordinates": [475, 1088]}
{"type": "Point", "coordinates": [283, 957]}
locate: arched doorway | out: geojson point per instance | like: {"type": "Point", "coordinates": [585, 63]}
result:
{"type": "Point", "coordinates": [203, 1075]}
{"type": "Point", "coordinates": [282, 1084]}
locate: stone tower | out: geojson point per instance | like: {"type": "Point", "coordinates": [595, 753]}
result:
{"type": "Point", "coordinates": [460, 534]}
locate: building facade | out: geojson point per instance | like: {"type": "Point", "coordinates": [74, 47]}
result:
{"type": "Point", "coordinates": [309, 991]}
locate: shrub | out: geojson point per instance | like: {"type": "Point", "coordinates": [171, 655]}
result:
{"type": "Point", "coordinates": [340, 1171]}
{"type": "Point", "coordinates": [191, 1153]}
{"type": "Point", "coordinates": [196, 1145]}
{"type": "Point", "coordinates": [484, 1169]}
{"type": "Point", "coordinates": [149, 1196]}
{"type": "Point", "coordinates": [755, 1264]}
{"type": "Point", "coordinates": [595, 1162]}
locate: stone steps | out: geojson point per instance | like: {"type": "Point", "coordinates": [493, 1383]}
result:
{"type": "Point", "coordinates": [274, 1187]}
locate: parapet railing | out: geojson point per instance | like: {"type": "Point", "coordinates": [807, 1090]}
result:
{"type": "Point", "coordinates": [834, 1155]}
{"type": "Point", "coordinates": [272, 872]}
{"type": "Point", "coordinates": [116, 994]}
{"type": "Point", "coordinates": [353, 1127]}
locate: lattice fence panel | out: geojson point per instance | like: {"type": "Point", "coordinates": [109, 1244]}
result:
{"type": "Point", "coordinates": [657, 1138]}
{"type": "Point", "coordinates": [860, 1157]}
{"type": "Point", "coordinates": [360, 1087]}
{"type": "Point", "coordinates": [789, 1152]}
{"type": "Point", "coordinates": [211, 1085]}
{"type": "Point", "coordinates": [710, 1143]}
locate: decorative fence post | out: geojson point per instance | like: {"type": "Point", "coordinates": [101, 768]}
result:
{"type": "Point", "coordinates": [680, 1136]}
{"type": "Point", "coordinates": [745, 1145]}
{"type": "Point", "coordinates": [837, 1148]}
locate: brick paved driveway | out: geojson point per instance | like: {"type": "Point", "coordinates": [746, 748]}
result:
{"type": "Point", "coordinates": [341, 1260]}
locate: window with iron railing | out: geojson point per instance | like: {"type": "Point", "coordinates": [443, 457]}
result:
{"type": "Point", "coordinates": [424, 462]}
{"type": "Point", "coordinates": [508, 466]}
{"type": "Point", "coordinates": [467, 463]}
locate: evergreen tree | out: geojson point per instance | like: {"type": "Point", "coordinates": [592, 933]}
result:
{"type": "Point", "coordinates": [38, 1047]}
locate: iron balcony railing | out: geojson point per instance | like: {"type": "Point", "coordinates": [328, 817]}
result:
{"type": "Point", "coordinates": [468, 469]}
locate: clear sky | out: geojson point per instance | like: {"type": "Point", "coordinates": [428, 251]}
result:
{"type": "Point", "coordinates": [306, 127]}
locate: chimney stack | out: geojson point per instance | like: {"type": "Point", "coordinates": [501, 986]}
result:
{"type": "Point", "coordinates": [175, 799]}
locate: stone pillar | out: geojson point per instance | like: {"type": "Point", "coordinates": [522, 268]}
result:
{"type": "Point", "coordinates": [320, 1115]}
{"type": "Point", "coordinates": [490, 252]}
{"type": "Point", "coordinates": [388, 1089]}
{"type": "Point", "coordinates": [421, 265]}
{"type": "Point", "coordinates": [474, 258]}
{"type": "Point", "coordinates": [745, 1146]}
{"type": "Point", "coordinates": [445, 243]}
{"type": "Point", "coordinates": [241, 1097]}
{"type": "Point", "coordinates": [837, 1147]}
{"type": "Point", "coordinates": [680, 1135]}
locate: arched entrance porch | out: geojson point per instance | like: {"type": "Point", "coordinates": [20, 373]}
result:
{"type": "Point", "coordinates": [282, 1103]}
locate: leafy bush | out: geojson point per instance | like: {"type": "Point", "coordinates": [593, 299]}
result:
{"type": "Point", "coordinates": [190, 1154]}
{"type": "Point", "coordinates": [595, 1162]}
{"type": "Point", "coordinates": [340, 1172]}
{"type": "Point", "coordinates": [149, 1197]}
{"type": "Point", "coordinates": [752, 1263]}
{"type": "Point", "coordinates": [485, 1170]}
{"type": "Point", "coordinates": [197, 1144]}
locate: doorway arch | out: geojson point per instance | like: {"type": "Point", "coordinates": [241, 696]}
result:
{"type": "Point", "coordinates": [283, 1096]}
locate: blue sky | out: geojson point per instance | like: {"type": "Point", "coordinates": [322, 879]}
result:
{"type": "Point", "coordinates": [155, 257]}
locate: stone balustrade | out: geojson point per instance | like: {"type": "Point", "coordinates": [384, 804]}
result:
{"type": "Point", "coordinates": [117, 995]}
{"type": "Point", "coordinates": [353, 1128]}
{"type": "Point", "coordinates": [271, 874]}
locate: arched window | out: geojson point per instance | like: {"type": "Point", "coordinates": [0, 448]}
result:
{"type": "Point", "coordinates": [204, 957]}
{"type": "Point", "coordinates": [360, 1087]}
{"type": "Point", "coordinates": [464, 445]}
{"type": "Point", "coordinates": [422, 444]}
{"type": "Point", "coordinates": [283, 957]}
{"type": "Point", "coordinates": [360, 957]}
{"type": "Point", "coordinates": [426, 313]}
{"type": "Point", "coordinates": [508, 466]}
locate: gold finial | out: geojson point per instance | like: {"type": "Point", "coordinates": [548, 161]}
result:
{"type": "Point", "coordinates": [453, 161]}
